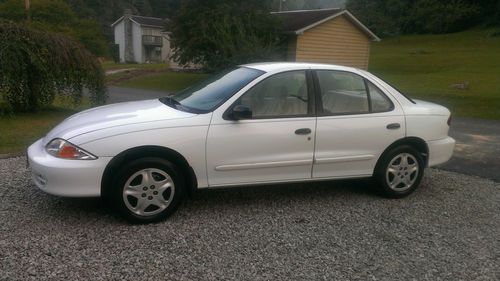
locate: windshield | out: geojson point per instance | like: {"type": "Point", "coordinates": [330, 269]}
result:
{"type": "Point", "coordinates": [212, 92]}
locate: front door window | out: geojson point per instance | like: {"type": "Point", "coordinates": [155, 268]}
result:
{"type": "Point", "coordinates": [281, 95]}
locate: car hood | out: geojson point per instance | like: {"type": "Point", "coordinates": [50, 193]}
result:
{"type": "Point", "coordinates": [114, 115]}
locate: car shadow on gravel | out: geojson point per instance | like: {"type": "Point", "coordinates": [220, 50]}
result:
{"type": "Point", "coordinates": [72, 210]}
{"type": "Point", "coordinates": [290, 191]}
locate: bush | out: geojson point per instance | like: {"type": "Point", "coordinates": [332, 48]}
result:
{"type": "Point", "coordinates": [35, 65]}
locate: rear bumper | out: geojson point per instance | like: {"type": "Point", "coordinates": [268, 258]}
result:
{"type": "Point", "coordinates": [440, 151]}
{"type": "Point", "coordinates": [69, 178]}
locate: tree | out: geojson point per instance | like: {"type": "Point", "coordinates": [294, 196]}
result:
{"type": "Point", "coordinates": [391, 17]}
{"type": "Point", "coordinates": [57, 16]}
{"type": "Point", "coordinates": [290, 5]}
{"type": "Point", "coordinates": [219, 34]}
{"type": "Point", "coordinates": [434, 16]}
{"type": "Point", "coordinates": [35, 65]}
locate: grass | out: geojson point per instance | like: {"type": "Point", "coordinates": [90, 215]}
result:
{"type": "Point", "coordinates": [21, 130]}
{"type": "Point", "coordinates": [424, 66]}
{"type": "Point", "coordinates": [165, 81]}
{"type": "Point", "coordinates": [110, 65]}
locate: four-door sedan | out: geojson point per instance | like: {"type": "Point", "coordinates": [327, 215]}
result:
{"type": "Point", "coordinates": [255, 124]}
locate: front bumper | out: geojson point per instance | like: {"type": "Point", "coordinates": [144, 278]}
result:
{"type": "Point", "coordinates": [69, 178]}
{"type": "Point", "coordinates": [440, 151]}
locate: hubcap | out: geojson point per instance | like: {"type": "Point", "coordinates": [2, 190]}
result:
{"type": "Point", "coordinates": [402, 172]}
{"type": "Point", "coordinates": [148, 192]}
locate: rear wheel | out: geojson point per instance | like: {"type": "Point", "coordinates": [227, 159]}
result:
{"type": "Point", "coordinates": [400, 171]}
{"type": "Point", "coordinates": [147, 190]}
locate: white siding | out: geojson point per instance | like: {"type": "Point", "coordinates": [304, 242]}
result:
{"type": "Point", "coordinates": [165, 49]}
{"type": "Point", "coordinates": [139, 51]}
{"type": "Point", "coordinates": [137, 43]}
{"type": "Point", "coordinates": [119, 31]}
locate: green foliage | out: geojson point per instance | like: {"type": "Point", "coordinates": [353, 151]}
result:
{"type": "Point", "coordinates": [434, 16]}
{"type": "Point", "coordinates": [35, 65]}
{"type": "Point", "coordinates": [220, 34]}
{"type": "Point", "coordinates": [393, 17]}
{"type": "Point", "coordinates": [289, 5]}
{"type": "Point", "coordinates": [57, 16]}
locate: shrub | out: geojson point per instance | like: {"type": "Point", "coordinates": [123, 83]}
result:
{"type": "Point", "coordinates": [35, 65]}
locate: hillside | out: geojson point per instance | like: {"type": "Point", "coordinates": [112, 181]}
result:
{"type": "Point", "coordinates": [426, 67]}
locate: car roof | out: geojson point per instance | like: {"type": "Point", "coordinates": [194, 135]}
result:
{"type": "Point", "coordinates": [284, 66]}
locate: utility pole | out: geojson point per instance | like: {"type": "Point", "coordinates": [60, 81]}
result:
{"type": "Point", "coordinates": [27, 9]}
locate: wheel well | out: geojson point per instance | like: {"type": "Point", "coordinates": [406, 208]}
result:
{"type": "Point", "coordinates": [419, 144]}
{"type": "Point", "coordinates": [150, 151]}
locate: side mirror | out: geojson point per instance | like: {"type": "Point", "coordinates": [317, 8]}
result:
{"type": "Point", "coordinates": [241, 112]}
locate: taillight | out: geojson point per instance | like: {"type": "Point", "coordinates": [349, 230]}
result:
{"type": "Point", "coordinates": [449, 121]}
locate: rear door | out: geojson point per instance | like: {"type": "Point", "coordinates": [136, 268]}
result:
{"type": "Point", "coordinates": [356, 122]}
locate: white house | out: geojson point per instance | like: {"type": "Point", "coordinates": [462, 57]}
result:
{"type": "Point", "coordinates": [141, 39]}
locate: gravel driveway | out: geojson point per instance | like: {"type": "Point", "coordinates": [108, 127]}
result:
{"type": "Point", "coordinates": [448, 230]}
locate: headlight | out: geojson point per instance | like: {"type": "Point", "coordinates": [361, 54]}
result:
{"type": "Point", "coordinates": [62, 149]}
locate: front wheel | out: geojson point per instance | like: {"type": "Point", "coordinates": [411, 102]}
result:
{"type": "Point", "coordinates": [147, 190]}
{"type": "Point", "coordinates": [400, 171]}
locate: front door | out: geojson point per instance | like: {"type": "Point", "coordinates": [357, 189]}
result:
{"type": "Point", "coordinates": [276, 144]}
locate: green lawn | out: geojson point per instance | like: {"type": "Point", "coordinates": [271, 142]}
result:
{"type": "Point", "coordinates": [165, 81]}
{"type": "Point", "coordinates": [20, 130]}
{"type": "Point", "coordinates": [110, 65]}
{"type": "Point", "coordinates": [424, 66]}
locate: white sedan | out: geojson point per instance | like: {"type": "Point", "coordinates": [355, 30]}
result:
{"type": "Point", "coordinates": [255, 124]}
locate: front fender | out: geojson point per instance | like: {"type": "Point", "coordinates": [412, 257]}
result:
{"type": "Point", "coordinates": [188, 140]}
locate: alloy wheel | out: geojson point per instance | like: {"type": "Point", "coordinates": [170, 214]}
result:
{"type": "Point", "coordinates": [148, 192]}
{"type": "Point", "coordinates": [402, 172]}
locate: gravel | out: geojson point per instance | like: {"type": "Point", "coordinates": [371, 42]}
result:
{"type": "Point", "coordinates": [447, 230]}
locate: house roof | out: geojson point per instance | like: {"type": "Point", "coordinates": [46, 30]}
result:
{"type": "Point", "coordinates": [299, 21]}
{"type": "Point", "coordinates": [144, 21]}
{"type": "Point", "coordinates": [149, 21]}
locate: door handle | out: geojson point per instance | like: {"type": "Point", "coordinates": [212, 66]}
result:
{"type": "Point", "coordinates": [393, 126]}
{"type": "Point", "coordinates": [303, 131]}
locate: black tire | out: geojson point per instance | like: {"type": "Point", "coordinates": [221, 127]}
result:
{"type": "Point", "coordinates": [154, 168]}
{"type": "Point", "coordinates": [387, 181]}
